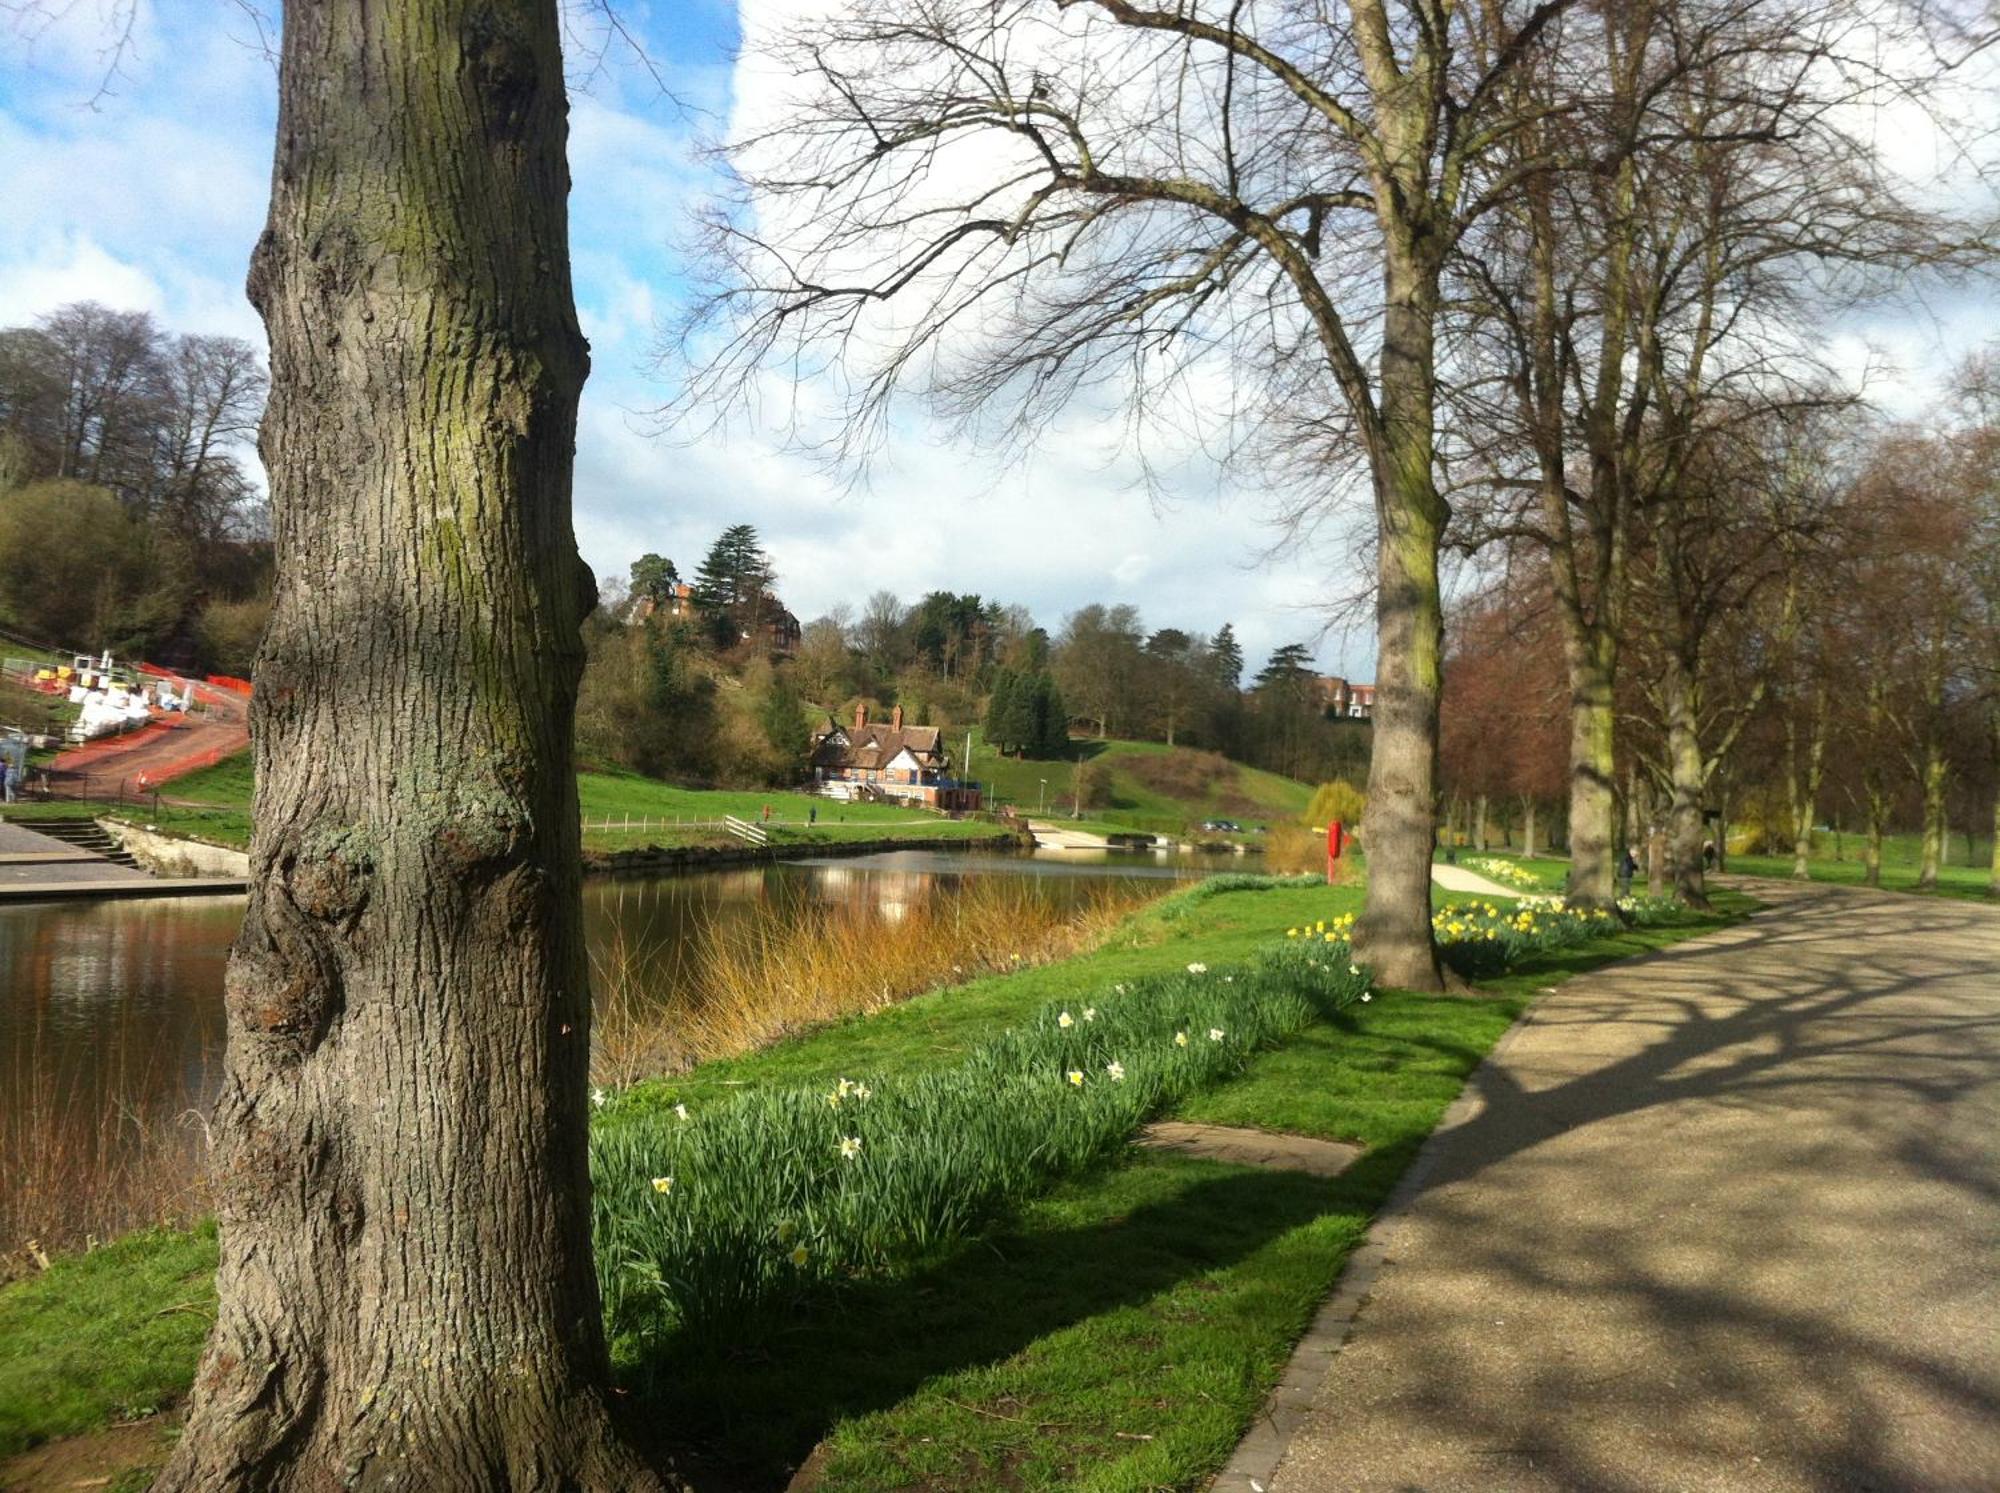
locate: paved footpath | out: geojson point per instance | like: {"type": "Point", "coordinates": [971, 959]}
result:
{"type": "Point", "coordinates": [1725, 1217]}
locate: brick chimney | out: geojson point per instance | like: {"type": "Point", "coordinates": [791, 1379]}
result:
{"type": "Point", "coordinates": [896, 719]}
{"type": "Point", "coordinates": [861, 715]}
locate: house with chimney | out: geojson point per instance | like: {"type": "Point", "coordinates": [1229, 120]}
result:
{"type": "Point", "coordinates": [897, 761]}
{"type": "Point", "coordinates": [1343, 700]}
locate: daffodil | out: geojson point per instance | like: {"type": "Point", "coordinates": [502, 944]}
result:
{"type": "Point", "coordinates": [1116, 1070]}
{"type": "Point", "coordinates": [850, 1147]}
{"type": "Point", "coordinates": [863, 1092]}
{"type": "Point", "coordinates": [597, 1097]}
{"type": "Point", "coordinates": [798, 1254]}
{"type": "Point", "coordinates": [1076, 1077]}
{"type": "Point", "coordinates": [1090, 1013]}
{"type": "Point", "coordinates": [1065, 1020]}
{"type": "Point", "coordinates": [681, 1110]}
{"type": "Point", "coordinates": [787, 1231]}
{"type": "Point", "coordinates": [1215, 1034]}
{"type": "Point", "coordinates": [1180, 1039]}
{"type": "Point", "coordinates": [1354, 969]}
{"type": "Point", "coordinates": [1197, 969]}
{"type": "Point", "coordinates": [663, 1184]}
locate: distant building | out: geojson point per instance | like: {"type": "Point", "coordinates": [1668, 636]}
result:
{"type": "Point", "coordinates": [779, 629]}
{"type": "Point", "coordinates": [895, 761]}
{"type": "Point", "coordinates": [1339, 697]}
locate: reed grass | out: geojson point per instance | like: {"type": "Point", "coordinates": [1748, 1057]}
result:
{"type": "Point", "coordinates": [750, 982]}
{"type": "Point", "coordinates": [75, 1171]}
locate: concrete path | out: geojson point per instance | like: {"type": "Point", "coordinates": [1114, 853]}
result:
{"type": "Point", "coordinates": [1725, 1217]}
{"type": "Point", "coordinates": [1458, 879]}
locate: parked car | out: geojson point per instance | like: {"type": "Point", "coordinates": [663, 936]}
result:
{"type": "Point", "coordinates": [1222, 826]}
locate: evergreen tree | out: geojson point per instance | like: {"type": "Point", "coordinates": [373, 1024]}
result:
{"type": "Point", "coordinates": [1051, 719]}
{"type": "Point", "coordinates": [998, 707]}
{"type": "Point", "coordinates": [736, 573]}
{"type": "Point", "coordinates": [1022, 723]}
{"type": "Point", "coordinates": [1290, 667]}
{"type": "Point", "coordinates": [782, 719]}
{"type": "Point", "coordinates": [1226, 654]}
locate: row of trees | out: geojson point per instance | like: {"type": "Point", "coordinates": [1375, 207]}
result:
{"type": "Point", "coordinates": [1812, 634]}
{"type": "Point", "coordinates": [130, 516]}
{"type": "Point", "coordinates": [1530, 262]}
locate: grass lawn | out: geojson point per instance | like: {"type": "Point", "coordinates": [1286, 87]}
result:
{"type": "Point", "coordinates": [1118, 1332]}
{"type": "Point", "coordinates": [620, 812]}
{"type": "Point", "coordinates": [1839, 860]}
{"type": "Point", "coordinates": [1153, 787]}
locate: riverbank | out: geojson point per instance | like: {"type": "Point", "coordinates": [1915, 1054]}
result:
{"type": "Point", "coordinates": [1120, 1328]}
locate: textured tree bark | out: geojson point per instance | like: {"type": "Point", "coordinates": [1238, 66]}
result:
{"type": "Point", "coordinates": [1935, 778]}
{"type": "Point", "coordinates": [1399, 825]}
{"type": "Point", "coordinates": [1993, 742]}
{"type": "Point", "coordinates": [1802, 783]}
{"type": "Point", "coordinates": [1593, 793]}
{"type": "Point", "coordinates": [406, 1294]}
{"type": "Point", "coordinates": [1687, 780]}
{"type": "Point", "coordinates": [1528, 828]}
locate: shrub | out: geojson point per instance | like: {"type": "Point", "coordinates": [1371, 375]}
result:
{"type": "Point", "coordinates": [1338, 799]}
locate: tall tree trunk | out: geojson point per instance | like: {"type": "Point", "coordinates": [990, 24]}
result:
{"type": "Point", "coordinates": [1528, 828]}
{"type": "Point", "coordinates": [1722, 829]}
{"type": "Point", "coordinates": [1936, 774]}
{"type": "Point", "coordinates": [1479, 826]}
{"type": "Point", "coordinates": [1802, 782]}
{"type": "Point", "coordinates": [1993, 871]}
{"type": "Point", "coordinates": [1687, 779]}
{"type": "Point", "coordinates": [406, 1293]}
{"type": "Point", "coordinates": [1593, 789]}
{"type": "Point", "coordinates": [1399, 826]}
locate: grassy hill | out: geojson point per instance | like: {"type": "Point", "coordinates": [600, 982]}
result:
{"type": "Point", "coordinates": [621, 811]}
{"type": "Point", "coordinates": [1152, 787]}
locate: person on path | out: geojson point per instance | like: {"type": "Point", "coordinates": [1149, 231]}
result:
{"type": "Point", "coordinates": [7, 780]}
{"type": "Point", "coordinates": [1628, 867]}
{"type": "Point", "coordinates": [812, 814]}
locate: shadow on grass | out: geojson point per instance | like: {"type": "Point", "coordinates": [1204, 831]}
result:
{"type": "Point", "coordinates": [745, 1418]}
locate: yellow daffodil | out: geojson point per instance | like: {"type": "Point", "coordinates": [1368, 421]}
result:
{"type": "Point", "coordinates": [1076, 1077]}
{"type": "Point", "coordinates": [798, 1254]}
{"type": "Point", "coordinates": [1180, 1039]}
{"type": "Point", "coordinates": [850, 1147]}
{"type": "Point", "coordinates": [663, 1184]}
{"type": "Point", "coordinates": [1065, 1020]}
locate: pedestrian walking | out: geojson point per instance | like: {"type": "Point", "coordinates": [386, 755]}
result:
{"type": "Point", "coordinates": [1628, 867]}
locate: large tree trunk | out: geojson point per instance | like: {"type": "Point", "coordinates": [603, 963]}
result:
{"type": "Point", "coordinates": [1399, 826]}
{"type": "Point", "coordinates": [1479, 826]}
{"type": "Point", "coordinates": [1686, 780]}
{"type": "Point", "coordinates": [1528, 828]}
{"type": "Point", "coordinates": [1936, 775]}
{"type": "Point", "coordinates": [1802, 782]}
{"type": "Point", "coordinates": [406, 1293]}
{"type": "Point", "coordinates": [1993, 741]}
{"type": "Point", "coordinates": [1593, 794]}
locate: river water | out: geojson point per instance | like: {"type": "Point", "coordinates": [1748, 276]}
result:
{"type": "Point", "coordinates": [118, 1004]}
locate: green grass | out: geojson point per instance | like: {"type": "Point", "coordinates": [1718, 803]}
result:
{"type": "Point", "coordinates": [1149, 1298]}
{"type": "Point", "coordinates": [1837, 859]}
{"type": "Point", "coordinates": [1245, 794]}
{"type": "Point", "coordinates": [214, 805]}
{"type": "Point", "coordinates": [104, 1336]}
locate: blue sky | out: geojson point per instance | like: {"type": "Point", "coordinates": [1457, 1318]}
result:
{"type": "Point", "coordinates": [145, 186]}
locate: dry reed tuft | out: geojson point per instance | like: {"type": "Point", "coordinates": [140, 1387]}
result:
{"type": "Point", "coordinates": [75, 1171]}
{"type": "Point", "coordinates": [751, 982]}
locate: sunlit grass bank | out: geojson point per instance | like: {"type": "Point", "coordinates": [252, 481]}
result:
{"type": "Point", "coordinates": [995, 1291]}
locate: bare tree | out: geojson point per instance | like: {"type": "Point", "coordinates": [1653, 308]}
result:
{"type": "Point", "coordinates": [406, 1291]}
{"type": "Point", "coordinates": [1007, 206]}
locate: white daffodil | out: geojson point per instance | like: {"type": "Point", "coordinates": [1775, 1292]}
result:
{"type": "Point", "coordinates": [1197, 969]}
{"type": "Point", "coordinates": [1065, 1020]}
{"type": "Point", "coordinates": [1180, 1039]}
{"type": "Point", "coordinates": [863, 1092]}
{"type": "Point", "coordinates": [681, 1110]}
{"type": "Point", "coordinates": [1090, 1013]}
{"type": "Point", "coordinates": [1215, 1034]}
{"type": "Point", "coordinates": [1354, 969]}
{"type": "Point", "coordinates": [1116, 1070]}
{"type": "Point", "coordinates": [597, 1097]}
{"type": "Point", "coordinates": [1366, 996]}
{"type": "Point", "coordinates": [850, 1147]}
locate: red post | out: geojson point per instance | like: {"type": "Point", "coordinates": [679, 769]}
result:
{"type": "Point", "coordinates": [1336, 841]}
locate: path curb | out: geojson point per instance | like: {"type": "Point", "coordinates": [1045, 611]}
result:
{"type": "Point", "coordinates": [1254, 1464]}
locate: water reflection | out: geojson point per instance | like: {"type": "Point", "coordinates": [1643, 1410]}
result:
{"type": "Point", "coordinates": [120, 1003]}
